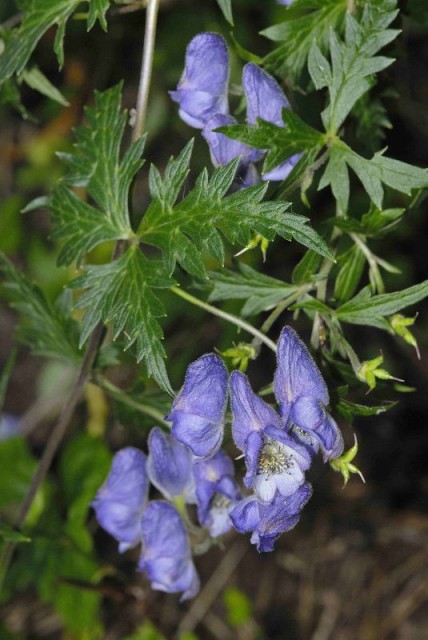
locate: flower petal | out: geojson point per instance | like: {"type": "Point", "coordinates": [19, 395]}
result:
{"type": "Point", "coordinates": [310, 416]}
{"type": "Point", "coordinates": [283, 170]}
{"type": "Point", "coordinates": [197, 413]}
{"type": "Point", "coordinates": [250, 413]}
{"type": "Point", "coordinates": [202, 90]}
{"type": "Point", "coordinates": [222, 148]}
{"type": "Point", "coordinates": [169, 464]}
{"type": "Point", "coordinates": [265, 98]}
{"type": "Point", "coordinates": [121, 500]}
{"type": "Point", "coordinates": [166, 555]}
{"type": "Point", "coordinates": [296, 374]}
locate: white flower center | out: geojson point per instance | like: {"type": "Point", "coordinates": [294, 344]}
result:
{"type": "Point", "coordinates": [273, 459]}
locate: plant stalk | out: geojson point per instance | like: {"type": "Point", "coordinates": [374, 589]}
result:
{"type": "Point", "coordinates": [225, 316]}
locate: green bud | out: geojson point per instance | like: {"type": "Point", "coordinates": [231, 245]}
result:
{"type": "Point", "coordinates": [399, 324]}
{"type": "Point", "coordinates": [255, 242]}
{"type": "Point", "coordinates": [240, 355]}
{"type": "Point", "coordinates": [344, 465]}
{"type": "Point", "coordinates": [369, 371]}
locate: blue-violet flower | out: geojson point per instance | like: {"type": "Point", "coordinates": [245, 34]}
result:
{"type": "Point", "coordinates": [121, 500]}
{"type": "Point", "coordinates": [275, 461]}
{"type": "Point", "coordinates": [302, 395]}
{"type": "Point", "coordinates": [216, 492]}
{"type": "Point", "coordinates": [268, 521]}
{"type": "Point", "coordinates": [169, 466]}
{"type": "Point", "coordinates": [202, 90]}
{"type": "Point", "coordinates": [197, 414]}
{"type": "Point", "coordinates": [166, 555]}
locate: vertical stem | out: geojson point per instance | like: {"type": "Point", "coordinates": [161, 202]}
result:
{"type": "Point", "coordinates": [146, 69]}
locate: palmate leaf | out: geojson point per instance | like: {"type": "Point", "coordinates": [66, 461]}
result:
{"type": "Point", "coordinates": [47, 329]}
{"type": "Point", "coordinates": [183, 230]}
{"type": "Point", "coordinates": [304, 22]}
{"type": "Point", "coordinates": [259, 291]}
{"type": "Point", "coordinates": [96, 165]}
{"type": "Point", "coordinates": [353, 62]}
{"type": "Point", "coordinates": [372, 173]}
{"type": "Point", "coordinates": [282, 142]}
{"type": "Point", "coordinates": [121, 293]}
{"type": "Point", "coordinates": [39, 16]}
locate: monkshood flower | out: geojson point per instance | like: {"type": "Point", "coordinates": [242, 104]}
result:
{"type": "Point", "coordinates": [197, 414]}
{"type": "Point", "coordinates": [302, 396]}
{"type": "Point", "coordinates": [202, 96]}
{"type": "Point", "coordinates": [266, 100]}
{"type": "Point", "coordinates": [266, 522]}
{"type": "Point", "coordinates": [120, 502]}
{"type": "Point", "coordinates": [169, 466]}
{"type": "Point", "coordinates": [216, 492]}
{"type": "Point", "coordinates": [166, 555]}
{"type": "Point", "coordinates": [275, 461]}
{"type": "Point", "coordinates": [224, 149]}
{"type": "Point", "coordinates": [202, 90]}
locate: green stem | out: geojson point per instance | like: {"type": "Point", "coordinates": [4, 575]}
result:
{"type": "Point", "coordinates": [146, 69]}
{"type": "Point", "coordinates": [225, 316]}
{"type": "Point", "coordinates": [279, 309]}
{"type": "Point", "coordinates": [372, 260]}
{"type": "Point", "coordinates": [120, 396]}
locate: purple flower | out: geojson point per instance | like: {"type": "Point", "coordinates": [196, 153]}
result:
{"type": "Point", "coordinates": [302, 395]}
{"type": "Point", "coordinates": [216, 493]}
{"type": "Point", "coordinates": [202, 90]}
{"type": "Point", "coordinates": [222, 148]}
{"type": "Point", "coordinates": [266, 100]}
{"type": "Point", "coordinates": [169, 466]}
{"type": "Point", "coordinates": [268, 521]}
{"type": "Point", "coordinates": [197, 414]}
{"type": "Point", "coordinates": [275, 461]}
{"type": "Point", "coordinates": [166, 555]}
{"type": "Point", "coordinates": [121, 500]}
{"type": "Point", "coordinates": [286, 2]}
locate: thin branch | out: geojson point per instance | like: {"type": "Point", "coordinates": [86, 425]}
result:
{"type": "Point", "coordinates": [225, 316]}
{"type": "Point", "coordinates": [146, 69]}
{"type": "Point", "coordinates": [120, 396]}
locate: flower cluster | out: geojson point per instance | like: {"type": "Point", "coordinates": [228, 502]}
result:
{"type": "Point", "coordinates": [188, 467]}
{"type": "Point", "coordinates": [202, 95]}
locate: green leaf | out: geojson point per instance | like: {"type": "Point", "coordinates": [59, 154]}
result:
{"type": "Point", "coordinates": [39, 16]}
{"type": "Point", "coordinates": [198, 222]}
{"type": "Point", "coordinates": [260, 292]}
{"type": "Point", "coordinates": [306, 268]}
{"type": "Point", "coordinates": [296, 136]}
{"type": "Point", "coordinates": [47, 329]}
{"type": "Point", "coordinates": [370, 310]}
{"type": "Point", "coordinates": [39, 82]}
{"type": "Point", "coordinates": [96, 165]}
{"type": "Point", "coordinates": [83, 467]}
{"type": "Point", "coordinates": [5, 376]}
{"type": "Point", "coordinates": [8, 534]}
{"type": "Point", "coordinates": [238, 607]}
{"type": "Point", "coordinates": [348, 76]}
{"type": "Point", "coordinates": [312, 304]}
{"type": "Point", "coordinates": [349, 274]}
{"type": "Point", "coordinates": [349, 410]}
{"type": "Point", "coordinates": [226, 7]}
{"type": "Point", "coordinates": [17, 466]}
{"type": "Point", "coordinates": [120, 293]}
{"type": "Point", "coordinates": [372, 173]}
{"type": "Point", "coordinates": [304, 21]}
